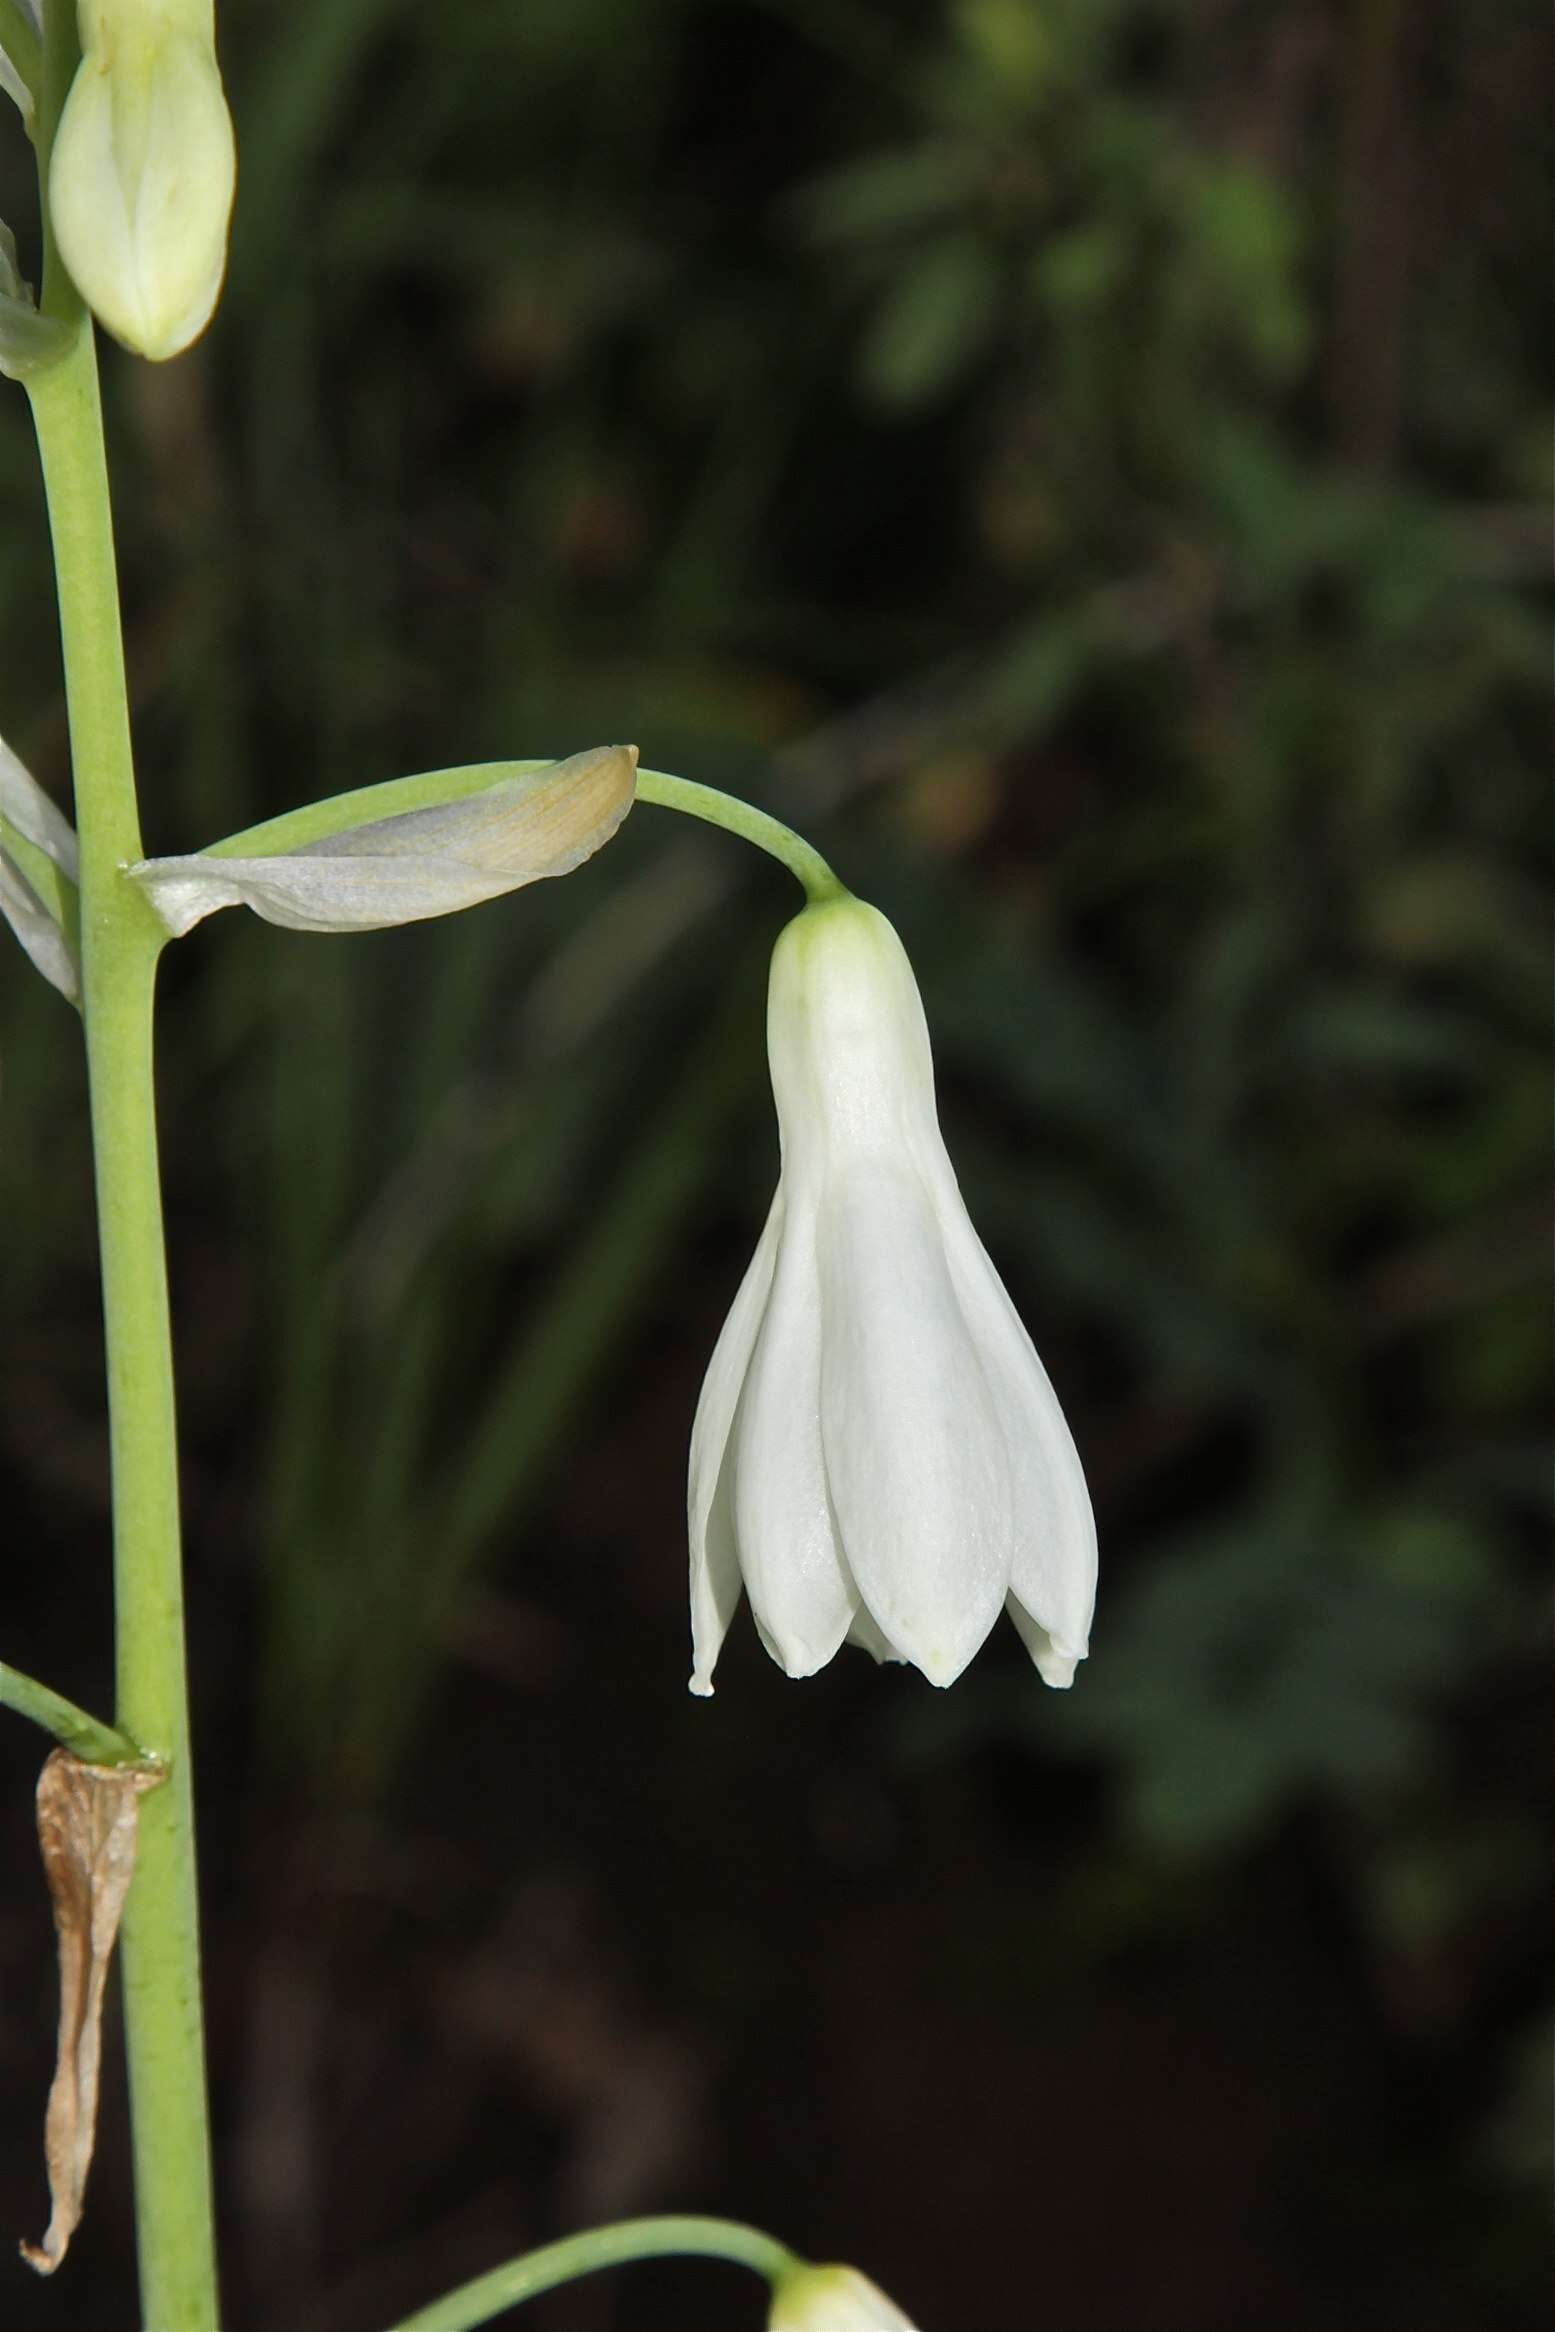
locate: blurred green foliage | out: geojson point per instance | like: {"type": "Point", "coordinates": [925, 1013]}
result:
{"type": "Point", "coordinates": [1209, 742]}
{"type": "Point", "coordinates": [1081, 461]}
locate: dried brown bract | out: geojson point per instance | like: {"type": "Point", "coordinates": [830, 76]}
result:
{"type": "Point", "coordinates": [87, 1818]}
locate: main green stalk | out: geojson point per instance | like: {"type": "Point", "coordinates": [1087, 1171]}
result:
{"type": "Point", "coordinates": [120, 943]}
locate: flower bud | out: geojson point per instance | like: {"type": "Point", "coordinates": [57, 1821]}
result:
{"type": "Point", "coordinates": [832, 2299]}
{"type": "Point", "coordinates": [143, 169]}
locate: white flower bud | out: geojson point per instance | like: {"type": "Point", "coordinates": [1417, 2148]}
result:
{"type": "Point", "coordinates": [143, 169]}
{"type": "Point", "coordinates": [421, 863]}
{"type": "Point", "coordinates": [832, 2299]}
{"type": "Point", "coordinates": [878, 1457]}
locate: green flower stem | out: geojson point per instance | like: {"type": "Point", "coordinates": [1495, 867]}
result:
{"type": "Point", "coordinates": [541, 2271]}
{"type": "Point", "coordinates": [315, 821]}
{"type": "Point", "coordinates": [120, 943]}
{"type": "Point", "coordinates": [807, 866]}
{"type": "Point", "coordinates": [84, 1736]}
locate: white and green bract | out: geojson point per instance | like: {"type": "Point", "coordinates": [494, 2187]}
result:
{"type": "Point", "coordinates": [878, 1456]}
{"type": "Point", "coordinates": [415, 864]}
{"type": "Point", "coordinates": [832, 2299]}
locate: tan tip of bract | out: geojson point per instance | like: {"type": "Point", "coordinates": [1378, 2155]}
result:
{"type": "Point", "coordinates": [539, 825]}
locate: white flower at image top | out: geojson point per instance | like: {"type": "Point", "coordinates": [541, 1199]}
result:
{"type": "Point", "coordinates": [878, 1457]}
{"type": "Point", "coordinates": [832, 2299]}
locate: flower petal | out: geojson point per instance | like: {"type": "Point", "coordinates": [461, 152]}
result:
{"type": "Point", "coordinates": [800, 1592]}
{"type": "Point", "coordinates": [1053, 1549]}
{"type": "Point", "coordinates": [1053, 1666]}
{"type": "Point", "coordinates": [915, 1458]}
{"type": "Point", "coordinates": [715, 1562]}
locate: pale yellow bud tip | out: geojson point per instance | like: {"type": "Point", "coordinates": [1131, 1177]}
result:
{"type": "Point", "coordinates": [142, 178]}
{"type": "Point", "coordinates": [832, 2299]}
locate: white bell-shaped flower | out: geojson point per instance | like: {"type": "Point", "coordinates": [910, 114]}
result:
{"type": "Point", "coordinates": [878, 1456]}
{"type": "Point", "coordinates": [832, 2299]}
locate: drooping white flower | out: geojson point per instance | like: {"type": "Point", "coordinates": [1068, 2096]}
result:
{"type": "Point", "coordinates": [419, 863]}
{"type": "Point", "coordinates": [143, 169]}
{"type": "Point", "coordinates": [832, 2299]}
{"type": "Point", "coordinates": [878, 1457]}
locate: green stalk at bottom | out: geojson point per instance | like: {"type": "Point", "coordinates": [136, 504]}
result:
{"type": "Point", "coordinates": [120, 943]}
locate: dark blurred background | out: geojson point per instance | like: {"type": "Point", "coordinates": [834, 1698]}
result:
{"type": "Point", "coordinates": [1085, 462]}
